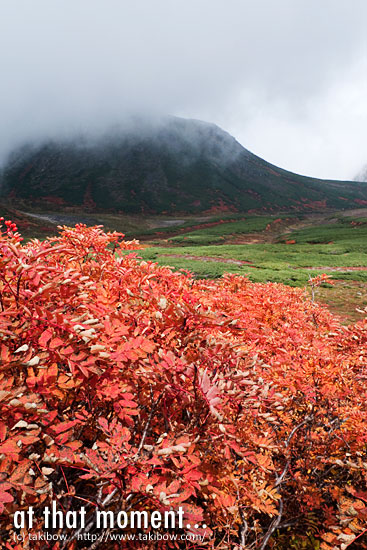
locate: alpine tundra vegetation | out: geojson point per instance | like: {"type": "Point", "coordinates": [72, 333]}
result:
{"type": "Point", "coordinates": [125, 385]}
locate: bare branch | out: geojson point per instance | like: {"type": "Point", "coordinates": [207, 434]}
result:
{"type": "Point", "coordinates": [274, 525]}
{"type": "Point", "coordinates": [147, 425]}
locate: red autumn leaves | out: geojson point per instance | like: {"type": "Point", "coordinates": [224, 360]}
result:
{"type": "Point", "coordinates": [125, 384]}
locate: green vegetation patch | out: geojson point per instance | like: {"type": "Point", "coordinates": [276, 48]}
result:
{"type": "Point", "coordinates": [217, 233]}
{"type": "Point", "coordinates": [333, 247]}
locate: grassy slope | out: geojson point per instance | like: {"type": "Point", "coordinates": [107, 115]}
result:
{"type": "Point", "coordinates": [337, 245]}
{"type": "Point", "coordinates": [332, 246]}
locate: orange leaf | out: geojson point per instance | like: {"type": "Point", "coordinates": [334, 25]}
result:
{"type": "Point", "coordinates": [56, 343]}
{"type": "Point", "coordinates": [45, 337]}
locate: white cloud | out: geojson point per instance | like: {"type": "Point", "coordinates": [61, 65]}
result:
{"type": "Point", "coordinates": [287, 78]}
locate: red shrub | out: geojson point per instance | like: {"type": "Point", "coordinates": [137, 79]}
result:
{"type": "Point", "coordinates": [124, 385]}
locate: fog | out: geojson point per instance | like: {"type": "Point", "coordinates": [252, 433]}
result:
{"type": "Point", "coordinates": [288, 78]}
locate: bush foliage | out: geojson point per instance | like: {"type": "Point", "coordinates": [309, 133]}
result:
{"type": "Point", "coordinates": [127, 386]}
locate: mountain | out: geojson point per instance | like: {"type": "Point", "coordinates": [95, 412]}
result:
{"type": "Point", "coordinates": [172, 165]}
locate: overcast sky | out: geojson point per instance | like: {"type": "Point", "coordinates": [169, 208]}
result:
{"type": "Point", "coordinates": [287, 78]}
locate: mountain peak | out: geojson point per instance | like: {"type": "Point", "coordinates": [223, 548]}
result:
{"type": "Point", "coordinates": [166, 164]}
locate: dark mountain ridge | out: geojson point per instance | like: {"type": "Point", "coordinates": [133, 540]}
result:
{"type": "Point", "coordinates": [173, 165]}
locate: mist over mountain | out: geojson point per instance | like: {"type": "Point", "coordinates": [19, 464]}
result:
{"type": "Point", "coordinates": [362, 175]}
{"type": "Point", "coordinates": [165, 165]}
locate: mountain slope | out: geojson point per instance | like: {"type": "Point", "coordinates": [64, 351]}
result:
{"type": "Point", "coordinates": [173, 165]}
